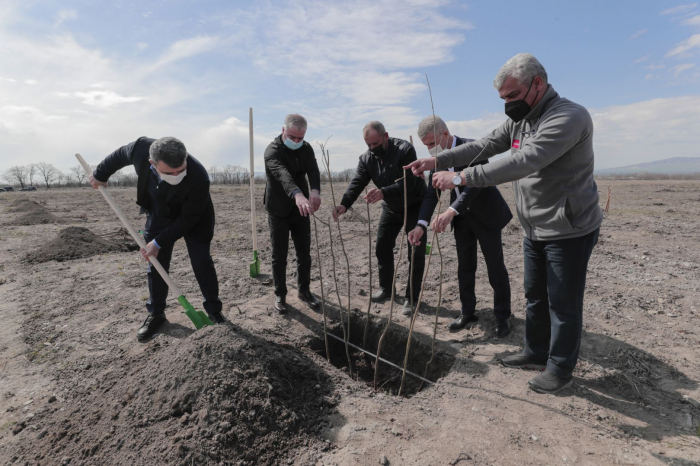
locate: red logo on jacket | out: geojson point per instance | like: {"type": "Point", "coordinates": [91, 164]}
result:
{"type": "Point", "coordinates": [516, 143]}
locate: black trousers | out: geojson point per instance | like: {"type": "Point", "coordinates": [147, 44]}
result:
{"type": "Point", "coordinates": [389, 228]}
{"type": "Point", "coordinates": [202, 265]}
{"type": "Point", "coordinates": [467, 233]}
{"type": "Point", "coordinates": [280, 229]}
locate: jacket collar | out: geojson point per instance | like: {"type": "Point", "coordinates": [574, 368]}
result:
{"type": "Point", "coordinates": [539, 109]}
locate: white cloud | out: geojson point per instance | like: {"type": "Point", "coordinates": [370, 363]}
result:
{"type": "Point", "coordinates": [65, 15]}
{"type": "Point", "coordinates": [105, 99]}
{"type": "Point", "coordinates": [678, 69]}
{"type": "Point", "coordinates": [685, 46]}
{"type": "Point", "coordinates": [649, 77]}
{"type": "Point", "coordinates": [187, 48]}
{"type": "Point", "coordinates": [693, 21]}
{"type": "Point", "coordinates": [655, 66]}
{"type": "Point", "coordinates": [679, 9]}
{"type": "Point", "coordinates": [646, 131]}
{"type": "Point", "coordinates": [31, 82]}
{"type": "Point", "coordinates": [641, 59]}
{"type": "Point", "coordinates": [639, 33]}
{"type": "Point", "coordinates": [142, 46]}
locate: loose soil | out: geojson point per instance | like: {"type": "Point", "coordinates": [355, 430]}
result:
{"type": "Point", "coordinates": [75, 243]}
{"type": "Point", "coordinates": [31, 213]}
{"type": "Point", "coordinates": [78, 388]}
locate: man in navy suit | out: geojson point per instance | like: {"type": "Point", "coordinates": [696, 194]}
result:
{"type": "Point", "coordinates": [476, 214]}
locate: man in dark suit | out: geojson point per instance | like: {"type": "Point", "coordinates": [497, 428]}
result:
{"type": "Point", "coordinates": [288, 161]}
{"type": "Point", "coordinates": [173, 192]}
{"type": "Point", "coordinates": [476, 214]}
{"type": "Point", "coordinates": [383, 164]}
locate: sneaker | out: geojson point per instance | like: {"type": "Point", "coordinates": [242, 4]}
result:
{"type": "Point", "coordinates": [381, 295]}
{"type": "Point", "coordinates": [521, 361]}
{"type": "Point", "coordinates": [407, 308]}
{"type": "Point", "coordinates": [547, 382]}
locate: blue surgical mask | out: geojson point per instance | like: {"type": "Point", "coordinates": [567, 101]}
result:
{"type": "Point", "coordinates": [293, 145]}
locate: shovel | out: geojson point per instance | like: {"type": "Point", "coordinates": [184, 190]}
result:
{"type": "Point", "coordinates": [198, 318]}
{"type": "Point", "coordinates": [255, 265]}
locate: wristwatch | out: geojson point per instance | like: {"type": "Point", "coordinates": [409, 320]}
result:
{"type": "Point", "coordinates": [457, 180]}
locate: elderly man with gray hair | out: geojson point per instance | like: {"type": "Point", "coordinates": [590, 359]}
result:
{"type": "Point", "coordinates": [288, 161]}
{"type": "Point", "coordinates": [551, 167]}
{"type": "Point", "coordinates": [173, 192]}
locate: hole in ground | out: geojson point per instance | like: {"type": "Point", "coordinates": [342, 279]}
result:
{"type": "Point", "coordinates": [393, 349]}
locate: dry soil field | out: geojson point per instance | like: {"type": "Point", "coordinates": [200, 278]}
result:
{"type": "Point", "coordinates": [77, 388]}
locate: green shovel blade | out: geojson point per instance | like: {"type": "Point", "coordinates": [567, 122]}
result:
{"type": "Point", "coordinates": [198, 318]}
{"type": "Point", "coordinates": [255, 265]}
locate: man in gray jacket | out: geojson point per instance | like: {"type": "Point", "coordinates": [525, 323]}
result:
{"type": "Point", "coordinates": [551, 168]}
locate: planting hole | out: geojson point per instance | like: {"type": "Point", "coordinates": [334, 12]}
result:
{"type": "Point", "coordinates": [393, 349]}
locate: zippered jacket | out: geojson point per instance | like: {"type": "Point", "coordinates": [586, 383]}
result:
{"type": "Point", "coordinates": [385, 172]}
{"type": "Point", "coordinates": [550, 166]}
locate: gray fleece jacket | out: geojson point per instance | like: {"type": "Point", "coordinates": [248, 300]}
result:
{"type": "Point", "coordinates": [550, 165]}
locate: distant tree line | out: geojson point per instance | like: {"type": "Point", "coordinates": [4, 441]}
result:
{"type": "Point", "coordinates": [47, 176]}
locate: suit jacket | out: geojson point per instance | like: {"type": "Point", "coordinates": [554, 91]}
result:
{"type": "Point", "coordinates": [286, 172]}
{"type": "Point", "coordinates": [485, 205]}
{"type": "Point", "coordinates": [384, 172]}
{"type": "Point", "coordinates": [186, 207]}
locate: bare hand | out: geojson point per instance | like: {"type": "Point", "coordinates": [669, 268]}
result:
{"type": "Point", "coordinates": [151, 250]}
{"type": "Point", "coordinates": [338, 211]}
{"type": "Point", "coordinates": [305, 207]}
{"type": "Point", "coordinates": [315, 199]}
{"type": "Point", "coordinates": [420, 166]}
{"type": "Point", "coordinates": [374, 195]}
{"type": "Point", "coordinates": [95, 183]}
{"type": "Point", "coordinates": [443, 220]}
{"type": "Point", "coordinates": [443, 180]}
{"type": "Point", "coordinates": [415, 235]}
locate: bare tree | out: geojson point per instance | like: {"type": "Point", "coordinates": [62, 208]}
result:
{"type": "Point", "coordinates": [31, 171]}
{"type": "Point", "coordinates": [79, 173]}
{"type": "Point", "coordinates": [18, 173]}
{"type": "Point", "coordinates": [48, 172]}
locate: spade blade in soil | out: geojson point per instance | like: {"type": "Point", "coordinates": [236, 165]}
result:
{"type": "Point", "coordinates": [198, 318]}
{"type": "Point", "coordinates": [255, 265]}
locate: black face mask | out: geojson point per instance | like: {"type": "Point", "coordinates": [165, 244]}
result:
{"type": "Point", "coordinates": [378, 151]}
{"type": "Point", "coordinates": [518, 109]}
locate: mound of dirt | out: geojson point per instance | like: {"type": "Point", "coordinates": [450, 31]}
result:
{"type": "Point", "coordinates": [75, 243]}
{"type": "Point", "coordinates": [353, 215]}
{"type": "Point", "coordinates": [220, 396]}
{"type": "Point", "coordinates": [33, 213]}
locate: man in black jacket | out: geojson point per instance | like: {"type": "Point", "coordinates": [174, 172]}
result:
{"type": "Point", "coordinates": [383, 164]}
{"type": "Point", "coordinates": [475, 214]}
{"type": "Point", "coordinates": [173, 191]}
{"type": "Point", "coordinates": [288, 160]}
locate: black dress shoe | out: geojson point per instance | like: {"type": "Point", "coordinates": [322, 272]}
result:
{"type": "Point", "coordinates": [217, 317]}
{"type": "Point", "coordinates": [150, 326]}
{"type": "Point", "coordinates": [280, 304]}
{"type": "Point", "coordinates": [462, 321]}
{"type": "Point", "coordinates": [502, 328]}
{"type": "Point", "coordinates": [308, 298]}
{"type": "Point", "coordinates": [381, 295]}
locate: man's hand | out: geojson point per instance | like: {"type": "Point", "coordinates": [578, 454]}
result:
{"type": "Point", "coordinates": [443, 180]}
{"type": "Point", "coordinates": [338, 211]}
{"type": "Point", "coordinates": [443, 220]}
{"type": "Point", "coordinates": [151, 250]}
{"type": "Point", "coordinates": [95, 183]}
{"type": "Point", "coordinates": [305, 207]}
{"type": "Point", "coordinates": [373, 195]}
{"type": "Point", "coordinates": [315, 199]}
{"type": "Point", "coordinates": [420, 166]}
{"type": "Point", "coordinates": [415, 235]}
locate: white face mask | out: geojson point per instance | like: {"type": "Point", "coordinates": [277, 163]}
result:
{"type": "Point", "coordinates": [436, 150]}
{"type": "Point", "coordinates": [173, 179]}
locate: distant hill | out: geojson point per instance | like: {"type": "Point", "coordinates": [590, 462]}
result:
{"type": "Point", "coordinates": [672, 166]}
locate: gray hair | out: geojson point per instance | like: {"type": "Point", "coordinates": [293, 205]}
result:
{"type": "Point", "coordinates": [374, 126]}
{"type": "Point", "coordinates": [296, 120]}
{"type": "Point", "coordinates": [524, 67]}
{"type": "Point", "coordinates": [170, 151]}
{"type": "Point", "coordinates": [426, 126]}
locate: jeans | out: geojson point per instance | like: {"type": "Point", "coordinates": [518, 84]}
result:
{"type": "Point", "coordinates": [555, 281]}
{"type": "Point", "coordinates": [388, 229]}
{"type": "Point", "coordinates": [202, 265]}
{"type": "Point", "coordinates": [280, 229]}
